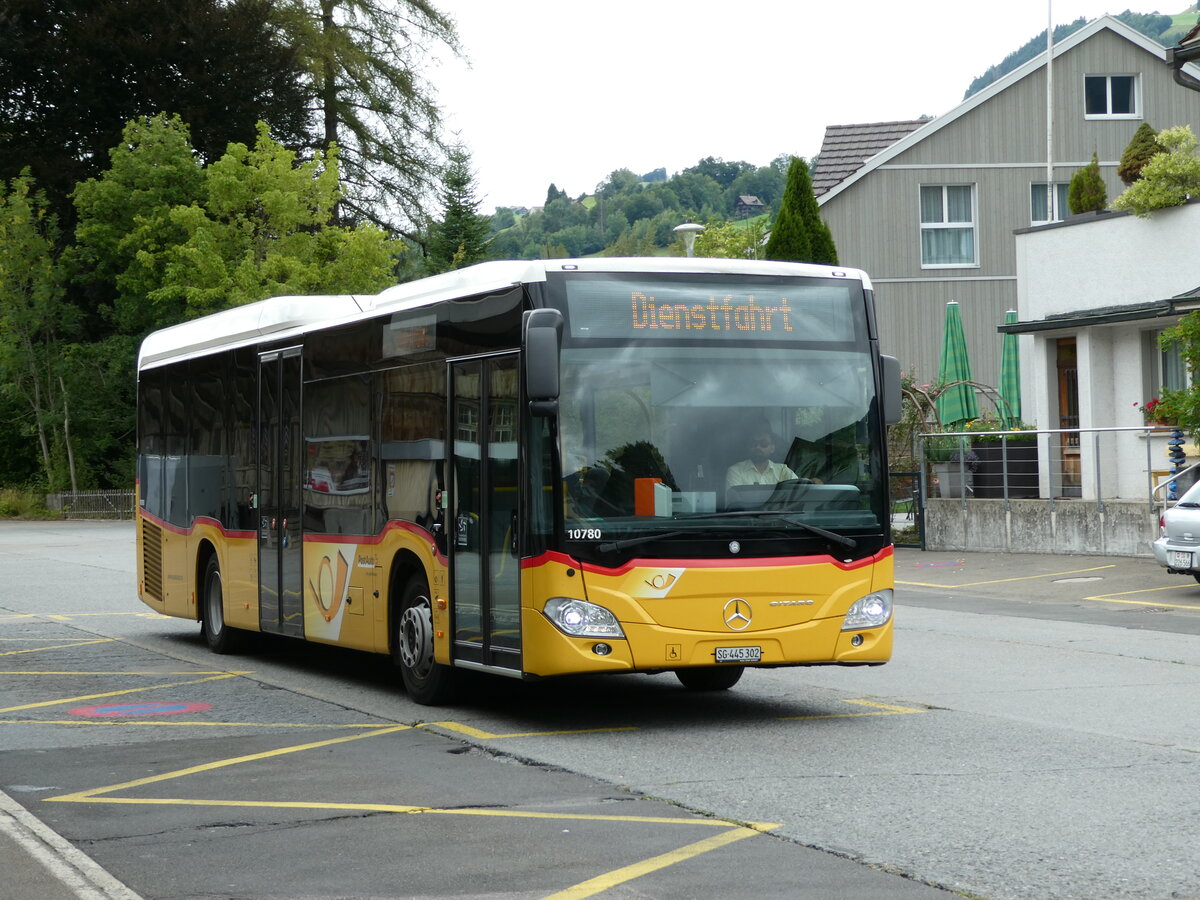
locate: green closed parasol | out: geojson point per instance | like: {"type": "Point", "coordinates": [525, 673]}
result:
{"type": "Point", "coordinates": [1010, 376]}
{"type": "Point", "coordinates": [955, 405]}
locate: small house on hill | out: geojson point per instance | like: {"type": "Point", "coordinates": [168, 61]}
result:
{"type": "Point", "coordinates": [748, 205]}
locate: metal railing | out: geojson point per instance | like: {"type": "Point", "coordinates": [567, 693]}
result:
{"type": "Point", "coordinates": [1088, 465]}
{"type": "Point", "coordinates": [92, 504]}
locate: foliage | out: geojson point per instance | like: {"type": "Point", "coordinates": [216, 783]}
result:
{"type": "Point", "coordinates": [1153, 412]}
{"type": "Point", "coordinates": [72, 72]}
{"type": "Point", "coordinates": [36, 326]}
{"type": "Point", "coordinates": [21, 504]}
{"type": "Point", "coordinates": [1153, 25]}
{"type": "Point", "coordinates": [460, 239]}
{"type": "Point", "coordinates": [799, 234]}
{"type": "Point", "coordinates": [727, 240]}
{"type": "Point", "coordinates": [1142, 147]}
{"type": "Point", "coordinates": [722, 172]}
{"type": "Point", "coordinates": [1169, 178]}
{"type": "Point", "coordinates": [361, 61]}
{"type": "Point", "coordinates": [1013, 430]}
{"type": "Point", "coordinates": [256, 226]}
{"type": "Point", "coordinates": [1086, 192]}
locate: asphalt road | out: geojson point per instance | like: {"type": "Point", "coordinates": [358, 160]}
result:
{"type": "Point", "coordinates": [1036, 736]}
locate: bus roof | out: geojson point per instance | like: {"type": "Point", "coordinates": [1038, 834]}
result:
{"type": "Point", "coordinates": [281, 318]}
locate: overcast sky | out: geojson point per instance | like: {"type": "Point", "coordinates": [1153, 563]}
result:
{"type": "Point", "coordinates": [564, 92]}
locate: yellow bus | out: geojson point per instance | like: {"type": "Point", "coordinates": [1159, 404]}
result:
{"type": "Point", "coordinates": [531, 468]}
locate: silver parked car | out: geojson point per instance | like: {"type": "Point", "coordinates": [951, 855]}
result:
{"type": "Point", "coordinates": [1179, 547]}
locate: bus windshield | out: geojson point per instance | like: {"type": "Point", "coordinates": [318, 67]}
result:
{"type": "Point", "coordinates": [765, 430]}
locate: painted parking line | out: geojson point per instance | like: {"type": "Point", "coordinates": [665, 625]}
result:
{"type": "Point", "coordinates": [967, 584]}
{"type": "Point", "coordinates": [482, 735]}
{"type": "Point", "coordinates": [1122, 597]}
{"type": "Point", "coordinates": [877, 709]}
{"type": "Point", "coordinates": [602, 883]}
{"type": "Point", "coordinates": [732, 832]}
{"type": "Point", "coordinates": [151, 687]}
{"type": "Point", "coordinates": [68, 646]}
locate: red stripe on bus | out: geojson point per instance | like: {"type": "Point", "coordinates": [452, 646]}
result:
{"type": "Point", "coordinates": [755, 562]}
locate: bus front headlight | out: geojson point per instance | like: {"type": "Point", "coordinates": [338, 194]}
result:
{"type": "Point", "coordinates": [579, 618]}
{"type": "Point", "coordinates": [870, 611]}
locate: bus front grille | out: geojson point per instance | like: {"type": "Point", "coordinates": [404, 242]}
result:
{"type": "Point", "coordinates": [152, 571]}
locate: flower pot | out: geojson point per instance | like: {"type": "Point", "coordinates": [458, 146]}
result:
{"type": "Point", "coordinates": [1020, 466]}
{"type": "Point", "coordinates": [952, 478]}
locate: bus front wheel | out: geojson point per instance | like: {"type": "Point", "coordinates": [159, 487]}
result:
{"type": "Point", "coordinates": [219, 637]}
{"type": "Point", "coordinates": [426, 681]}
{"type": "Point", "coordinates": [721, 679]}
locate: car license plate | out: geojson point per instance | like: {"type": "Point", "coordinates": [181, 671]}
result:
{"type": "Point", "coordinates": [1181, 559]}
{"type": "Point", "coordinates": [739, 654]}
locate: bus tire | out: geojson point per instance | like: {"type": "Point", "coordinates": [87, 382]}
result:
{"type": "Point", "coordinates": [219, 637]}
{"type": "Point", "coordinates": [717, 679]}
{"type": "Point", "coordinates": [426, 681]}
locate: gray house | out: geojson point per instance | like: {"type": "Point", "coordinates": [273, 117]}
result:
{"type": "Point", "coordinates": [929, 208]}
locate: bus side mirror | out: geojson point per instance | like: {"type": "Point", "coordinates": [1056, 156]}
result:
{"type": "Point", "coordinates": [541, 335]}
{"type": "Point", "coordinates": [893, 401]}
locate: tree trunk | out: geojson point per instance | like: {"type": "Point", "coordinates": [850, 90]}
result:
{"type": "Point", "coordinates": [67, 435]}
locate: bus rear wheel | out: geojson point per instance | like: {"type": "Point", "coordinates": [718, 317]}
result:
{"type": "Point", "coordinates": [426, 681]}
{"type": "Point", "coordinates": [721, 679]}
{"type": "Point", "coordinates": [219, 637]}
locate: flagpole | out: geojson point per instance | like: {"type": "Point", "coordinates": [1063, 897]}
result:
{"type": "Point", "coordinates": [1050, 192]}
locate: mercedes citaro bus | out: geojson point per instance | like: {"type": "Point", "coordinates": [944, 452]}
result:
{"type": "Point", "coordinates": [531, 468]}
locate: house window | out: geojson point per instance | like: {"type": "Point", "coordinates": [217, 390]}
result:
{"type": "Point", "coordinates": [1110, 96]}
{"type": "Point", "coordinates": [1174, 369]}
{"type": "Point", "coordinates": [947, 225]}
{"type": "Point", "coordinates": [1038, 213]}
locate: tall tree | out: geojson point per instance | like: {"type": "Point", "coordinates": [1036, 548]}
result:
{"type": "Point", "coordinates": [35, 321]}
{"type": "Point", "coordinates": [460, 238]}
{"type": "Point", "coordinates": [73, 72]}
{"type": "Point", "coordinates": [799, 234]}
{"type": "Point", "coordinates": [362, 62]}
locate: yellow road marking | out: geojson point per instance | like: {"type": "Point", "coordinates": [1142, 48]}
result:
{"type": "Point", "coordinates": [488, 736]}
{"type": "Point", "coordinates": [1115, 598]}
{"type": "Point", "coordinates": [137, 690]}
{"type": "Point", "coordinates": [1003, 580]}
{"type": "Point", "coordinates": [72, 645]}
{"type": "Point", "coordinates": [883, 709]}
{"type": "Point", "coordinates": [602, 883]}
{"type": "Point", "coordinates": [221, 763]}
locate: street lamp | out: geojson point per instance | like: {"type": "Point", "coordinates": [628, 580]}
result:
{"type": "Point", "coordinates": [688, 232]}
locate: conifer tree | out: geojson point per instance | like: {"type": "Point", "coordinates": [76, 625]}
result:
{"type": "Point", "coordinates": [460, 239]}
{"type": "Point", "coordinates": [799, 234]}
{"type": "Point", "coordinates": [1086, 192]}
{"type": "Point", "coordinates": [1142, 148]}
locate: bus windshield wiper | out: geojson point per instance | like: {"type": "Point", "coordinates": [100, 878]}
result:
{"type": "Point", "coordinates": [841, 539]}
{"type": "Point", "coordinates": [609, 546]}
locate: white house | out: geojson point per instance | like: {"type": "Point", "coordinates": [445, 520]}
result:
{"type": "Point", "coordinates": [1094, 293]}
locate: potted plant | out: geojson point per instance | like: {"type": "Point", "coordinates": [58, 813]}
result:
{"type": "Point", "coordinates": [1008, 462]}
{"type": "Point", "coordinates": [954, 464]}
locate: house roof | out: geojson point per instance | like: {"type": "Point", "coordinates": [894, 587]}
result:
{"type": "Point", "coordinates": [1109, 315]}
{"type": "Point", "coordinates": [893, 150]}
{"type": "Point", "coordinates": [846, 147]}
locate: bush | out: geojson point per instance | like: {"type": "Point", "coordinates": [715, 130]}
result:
{"type": "Point", "coordinates": [16, 504]}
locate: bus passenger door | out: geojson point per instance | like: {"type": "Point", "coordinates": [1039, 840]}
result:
{"type": "Point", "coordinates": [280, 551]}
{"type": "Point", "coordinates": [485, 569]}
